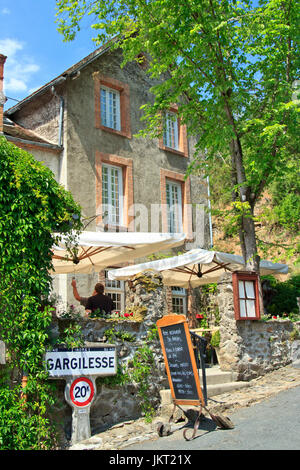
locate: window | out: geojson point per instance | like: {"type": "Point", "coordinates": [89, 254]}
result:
{"type": "Point", "coordinates": [110, 108]}
{"type": "Point", "coordinates": [174, 205]}
{"type": "Point", "coordinates": [115, 290]}
{"type": "Point", "coordinates": [246, 296]}
{"type": "Point", "coordinates": [112, 105]}
{"type": "Point", "coordinates": [114, 191]}
{"type": "Point", "coordinates": [170, 137]}
{"type": "Point", "coordinates": [179, 304]}
{"type": "Point", "coordinates": [174, 138]}
{"type": "Point", "coordinates": [112, 194]}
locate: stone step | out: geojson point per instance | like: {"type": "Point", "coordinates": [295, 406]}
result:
{"type": "Point", "coordinates": [214, 375]}
{"type": "Point", "coordinates": [217, 382]}
{"type": "Point", "coordinates": [218, 389]}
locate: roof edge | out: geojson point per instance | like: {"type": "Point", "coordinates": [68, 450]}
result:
{"type": "Point", "coordinates": [63, 76]}
{"type": "Point", "coordinates": [33, 143]}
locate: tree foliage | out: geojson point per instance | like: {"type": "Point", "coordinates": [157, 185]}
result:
{"type": "Point", "coordinates": [33, 206]}
{"type": "Point", "coordinates": [230, 66]}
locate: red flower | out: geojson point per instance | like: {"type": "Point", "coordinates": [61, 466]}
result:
{"type": "Point", "coordinates": [274, 316]}
{"type": "Point", "coordinates": [200, 316]}
{"type": "Point", "coordinates": [126, 314]}
{"type": "Point", "coordinates": [131, 314]}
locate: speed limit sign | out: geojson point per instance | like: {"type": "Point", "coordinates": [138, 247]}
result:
{"type": "Point", "coordinates": [82, 391]}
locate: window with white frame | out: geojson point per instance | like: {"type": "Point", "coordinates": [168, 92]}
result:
{"type": "Point", "coordinates": [170, 137]}
{"type": "Point", "coordinates": [174, 206]}
{"type": "Point", "coordinates": [112, 194]}
{"type": "Point", "coordinates": [110, 108]}
{"type": "Point", "coordinates": [115, 290]}
{"type": "Point", "coordinates": [246, 295]}
{"type": "Point", "coordinates": [179, 304]}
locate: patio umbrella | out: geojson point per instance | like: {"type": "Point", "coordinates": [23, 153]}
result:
{"type": "Point", "coordinates": [195, 268]}
{"type": "Point", "coordinates": [97, 250]}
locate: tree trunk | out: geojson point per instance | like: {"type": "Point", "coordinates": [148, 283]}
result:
{"type": "Point", "coordinates": [247, 228]}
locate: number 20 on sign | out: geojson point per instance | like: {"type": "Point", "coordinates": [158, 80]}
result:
{"type": "Point", "coordinates": [82, 391]}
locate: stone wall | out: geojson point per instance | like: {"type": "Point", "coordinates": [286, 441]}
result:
{"type": "Point", "coordinates": [251, 348]}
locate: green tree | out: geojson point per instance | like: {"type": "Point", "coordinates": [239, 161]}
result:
{"type": "Point", "coordinates": [230, 65]}
{"type": "Point", "coordinates": [33, 207]}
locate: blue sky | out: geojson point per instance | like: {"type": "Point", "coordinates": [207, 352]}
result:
{"type": "Point", "coordinates": [35, 50]}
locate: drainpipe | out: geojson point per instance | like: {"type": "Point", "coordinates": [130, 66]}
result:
{"type": "Point", "coordinates": [209, 213]}
{"type": "Point", "coordinates": [2, 96]}
{"type": "Point", "coordinates": [61, 116]}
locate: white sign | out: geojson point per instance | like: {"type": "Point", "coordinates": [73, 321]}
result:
{"type": "Point", "coordinates": [81, 361]}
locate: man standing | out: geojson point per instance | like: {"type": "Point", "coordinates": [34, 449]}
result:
{"type": "Point", "coordinates": [96, 302]}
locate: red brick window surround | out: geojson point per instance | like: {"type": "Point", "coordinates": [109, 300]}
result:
{"type": "Point", "coordinates": [170, 142]}
{"type": "Point", "coordinates": [186, 212]}
{"type": "Point", "coordinates": [125, 165]}
{"type": "Point", "coordinates": [246, 295]}
{"type": "Point", "coordinates": [122, 89]}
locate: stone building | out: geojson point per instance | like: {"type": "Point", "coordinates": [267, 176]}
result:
{"type": "Point", "coordinates": [83, 126]}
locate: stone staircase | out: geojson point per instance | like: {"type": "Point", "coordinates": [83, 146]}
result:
{"type": "Point", "coordinates": [218, 381]}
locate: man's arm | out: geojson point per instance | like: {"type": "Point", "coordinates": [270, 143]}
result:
{"type": "Point", "coordinates": [75, 291]}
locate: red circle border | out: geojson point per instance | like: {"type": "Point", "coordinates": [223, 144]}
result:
{"type": "Point", "coordinates": [88, 401]}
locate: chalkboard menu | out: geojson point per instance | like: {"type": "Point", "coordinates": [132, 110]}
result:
{"type": "Point", "coordinates": [180, 360]}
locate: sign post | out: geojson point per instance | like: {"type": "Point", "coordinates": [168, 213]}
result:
{"type": "Point", "coordinates": [181, 367]}
{"type": "Point", "coordinates": [80, 367]}
{"type": "Point", "coordinates": [79, 394]}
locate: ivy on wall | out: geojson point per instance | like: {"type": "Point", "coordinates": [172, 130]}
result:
{"type": "Point", "coordinates": [33, 206]}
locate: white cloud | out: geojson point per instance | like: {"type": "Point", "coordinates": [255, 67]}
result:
{"type": "Point", "coordinates": [19, 68]}
{"type": "Point", "coordinates": [9, 47]}
{"type": "Point", "coordinates": [5, 11]}
{"type": "Point", "coordinates": [16, 85]}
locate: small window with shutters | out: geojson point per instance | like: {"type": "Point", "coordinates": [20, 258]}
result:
{"type": "Point", "coordinates": [246, 295]}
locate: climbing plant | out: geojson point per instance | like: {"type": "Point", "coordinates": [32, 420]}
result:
{"type": "Point", "coordinates": [34, 212]}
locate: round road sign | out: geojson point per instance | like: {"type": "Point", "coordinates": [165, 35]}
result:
{"type": "Point", "coordinates": [82, 391]}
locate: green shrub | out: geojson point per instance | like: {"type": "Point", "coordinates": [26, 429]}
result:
{"type": "Point", "coordinates": [285, 295]}
{"type": "Point", "coordinates": [215, 339]}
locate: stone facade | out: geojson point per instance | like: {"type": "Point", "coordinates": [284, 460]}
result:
{"type": "Point", "coordinates": [63, 118]}
{"type": "Point", "coordinates": [252, 348]}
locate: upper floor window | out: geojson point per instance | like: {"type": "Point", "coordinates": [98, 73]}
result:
{"type": "Point", "coordinates": [112, 105]}
{"type": "Point", "coordinates": [112, 194]}
{"type": "Point", "coordinates": [170, 137]}
{"type": "Point", "coordinates": [176, 203]}
{"type": "Point", "coordinates": [110, 108]}
{"type": "Point", "coordinates": [174, 136]}
{"type": "Point", "coordinates": [174, 206]}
